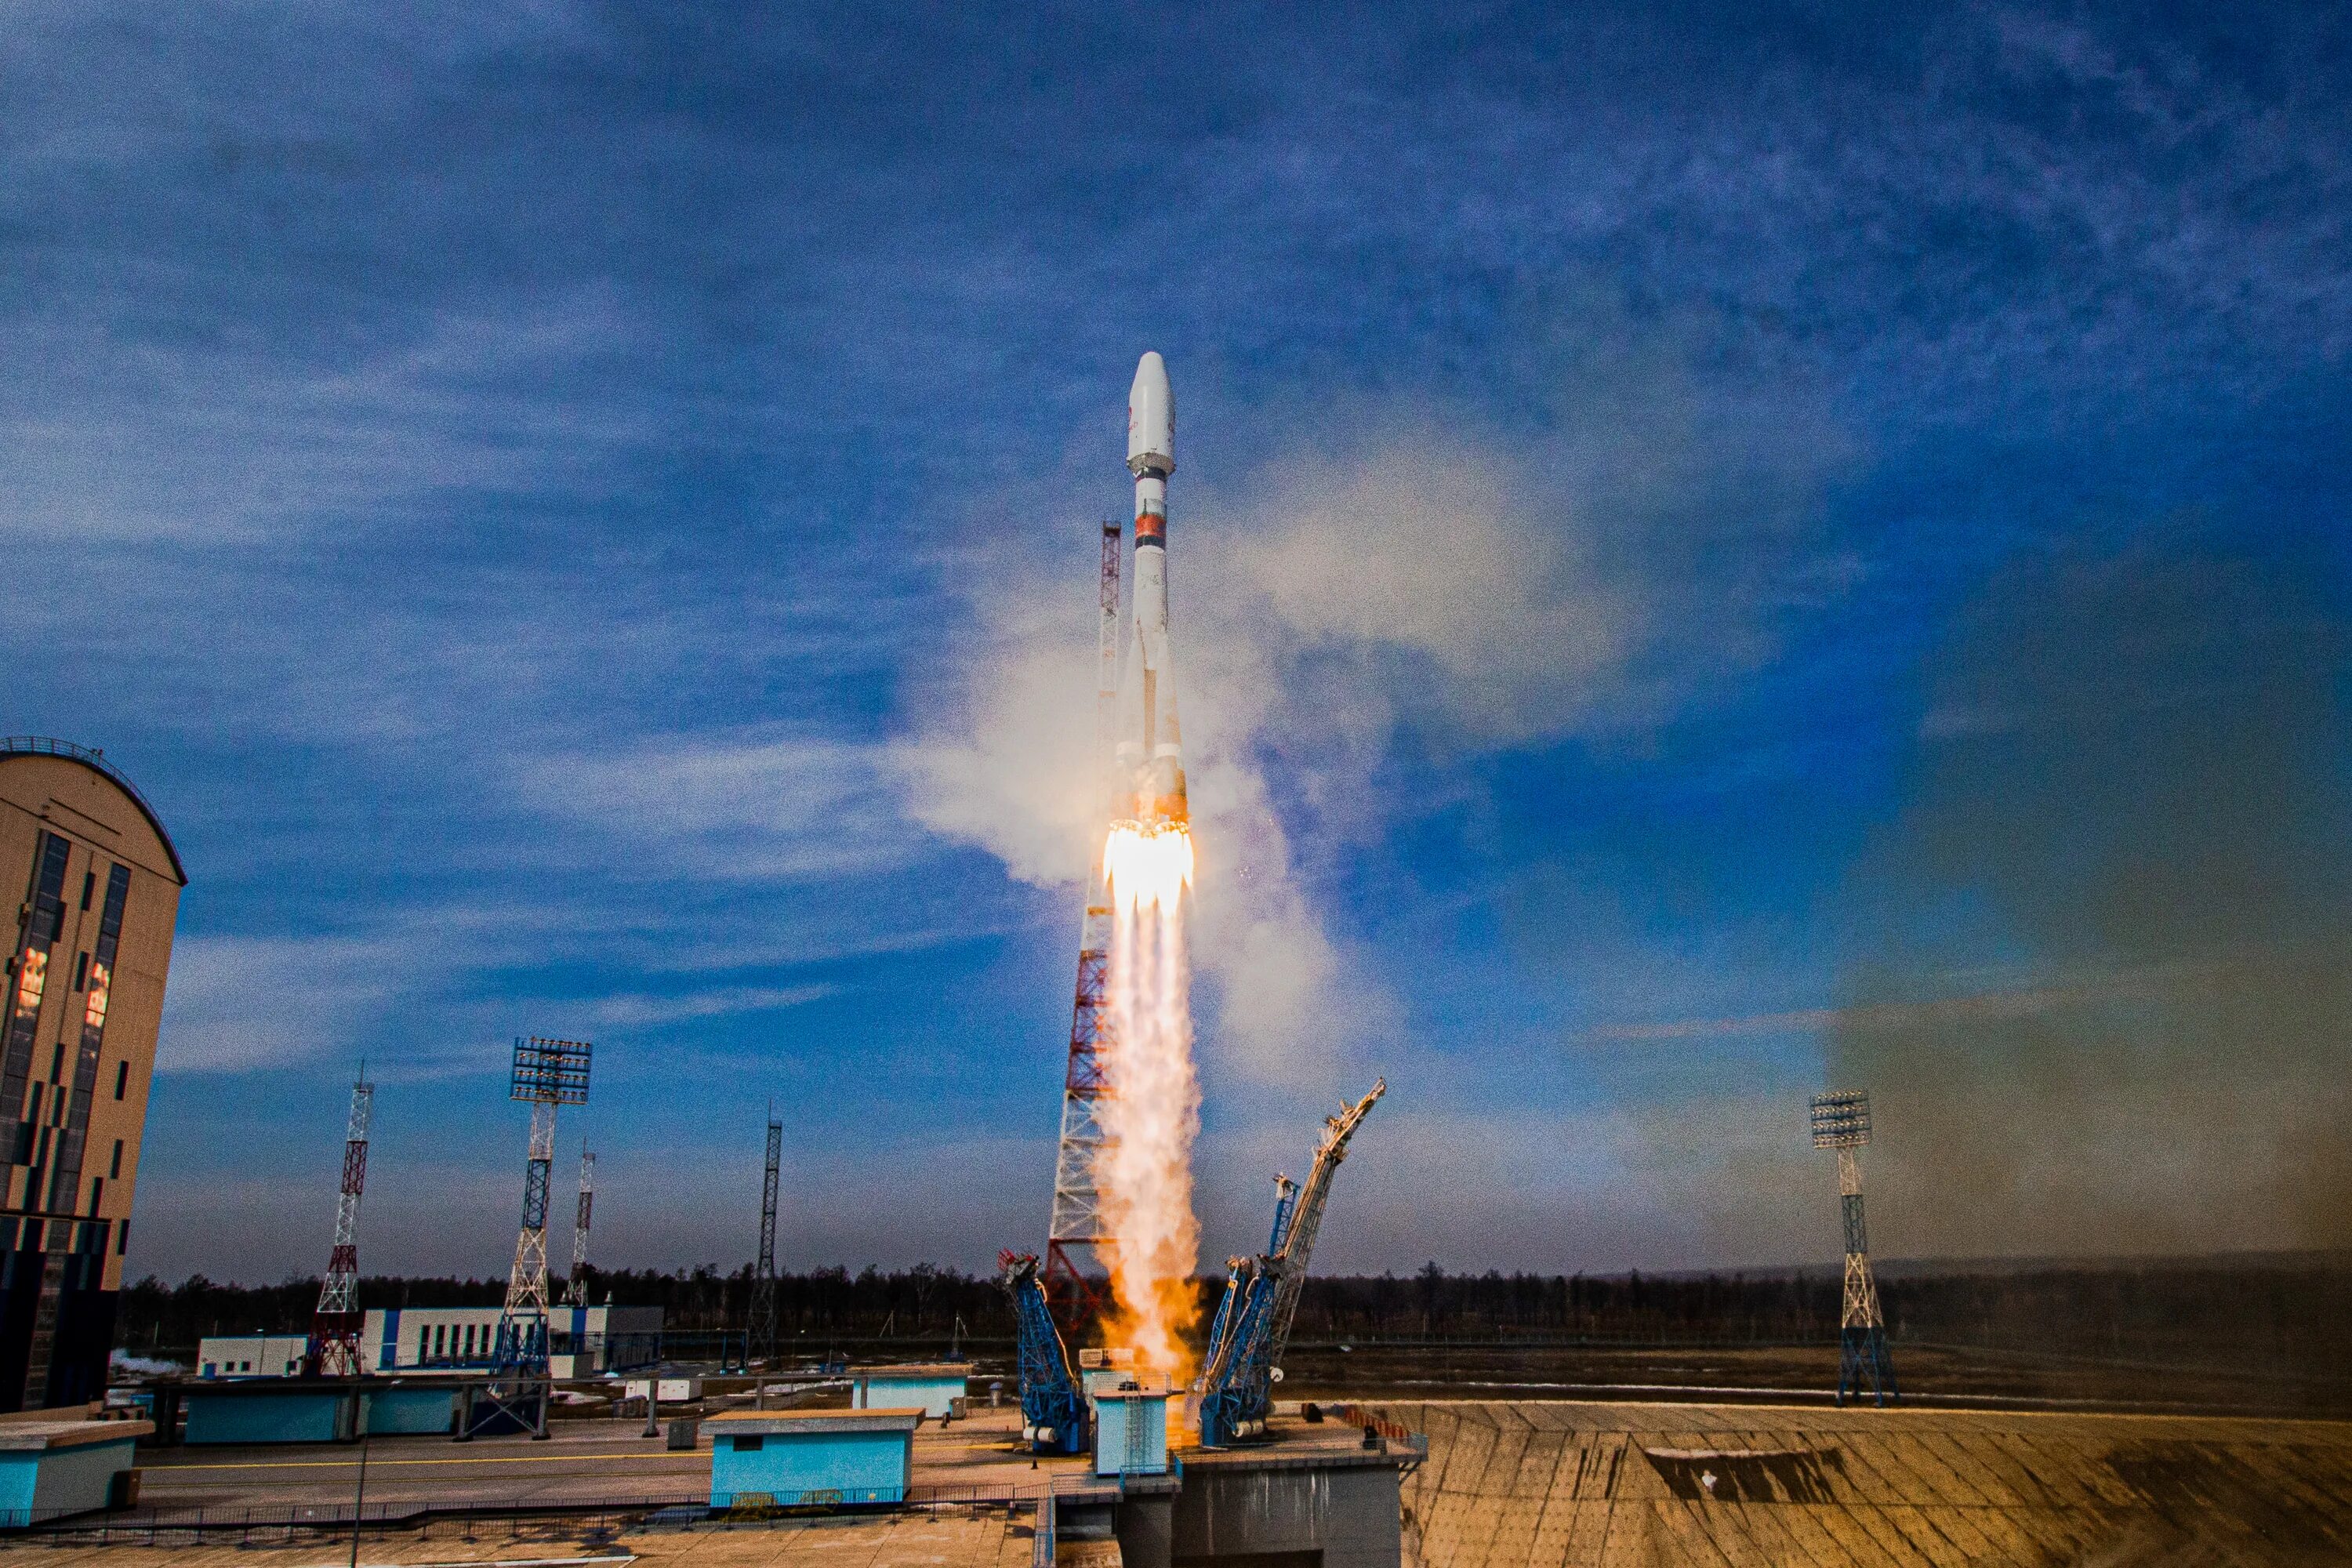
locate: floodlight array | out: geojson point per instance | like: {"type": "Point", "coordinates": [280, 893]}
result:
{"type": "Point", "coordinates": [1841, 1118]}
{"type": "Point", "coordinates": [550, 1072]}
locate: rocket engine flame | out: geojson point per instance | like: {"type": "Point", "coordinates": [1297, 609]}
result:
{"type": "Point", "coordinates": [1143, 1169]}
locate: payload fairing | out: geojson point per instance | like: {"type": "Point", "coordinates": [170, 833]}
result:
{"type": "Point", "coordinates": [1150, 750]}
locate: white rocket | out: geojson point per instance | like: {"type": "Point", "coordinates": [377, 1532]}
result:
{"type": "Point", "coordinates": [1150, 751]}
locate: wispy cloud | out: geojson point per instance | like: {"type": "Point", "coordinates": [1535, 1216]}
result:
{"type": "Point", "coordinates": [745, 806]}
{"type": "Point", "coordinates": [238, 1003]}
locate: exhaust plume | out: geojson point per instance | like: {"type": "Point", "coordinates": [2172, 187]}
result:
{"type": "Point", "coordinates": [1143, 1171]}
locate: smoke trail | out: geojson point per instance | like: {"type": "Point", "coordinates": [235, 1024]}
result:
{"type": "Point", "coordinates": [1144, 1168]}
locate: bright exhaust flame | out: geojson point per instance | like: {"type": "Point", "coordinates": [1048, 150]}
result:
{"type": "Point", "coordinates": [1143, 1170]}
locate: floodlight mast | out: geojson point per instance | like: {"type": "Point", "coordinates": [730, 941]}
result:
{"type": "Point", "coordinates": [1841, 1121]}
{"type": "Point", "coordinates": [547, 1073]}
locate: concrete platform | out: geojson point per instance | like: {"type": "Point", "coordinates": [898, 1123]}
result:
{"type": "Point", "coordinates": [1547, 1483]}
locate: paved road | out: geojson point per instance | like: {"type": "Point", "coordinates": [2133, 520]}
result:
{"type": "Point", "coordinates": [418, 1470]}
{"type": "Point", "coordinates": [598, 1465]}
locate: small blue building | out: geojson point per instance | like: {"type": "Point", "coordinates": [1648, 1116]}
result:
{"type": "Point", "coordinates": [281, 1410]}
{"type": "Point", "coordinates": [927, 1388]}
{"type": "Point", "coordinates": [802, 1458]}
{"type": "Point", "coordinates": [316, 1409]}
{"type": "Point", "coordinates": [1131, 1432]}
{"type": "Point", "coordinates": [48, 1469]}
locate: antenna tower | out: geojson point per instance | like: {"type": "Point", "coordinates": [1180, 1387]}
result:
{"type": "Point", "coordinates": [1841, 1121]}
{"type": "Point", "coordinates": [547, 1073]}
{"type": "Point", "coordinates": [1075, 1272]}
{"type": "Point", "coordinates": [762, 1334]}
{"type": "Point", "coordinates": [575, 1293]}
{"type": "Point", "coordinates": [335, 1326]}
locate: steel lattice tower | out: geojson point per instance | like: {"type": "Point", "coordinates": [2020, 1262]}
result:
{"type": "Point", "coordinates": [335, 1326]}
{"type": "Point", "coordinates": [575, 1293]}
{"type": "Point", "coordinates": [762, 1322]}
{"type": "Point", "coordinates": [547, 1073]}
{"type": "Point", "coordinates": [1841, 1121]}
{"type": "Point", "coordinates": [1076, 1274]}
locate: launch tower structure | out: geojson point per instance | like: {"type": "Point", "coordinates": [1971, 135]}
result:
{"type": "Point", "coordinates": [575, 1293]}
{"type": "Point", "coordinates": [335, 1326]}
{"type": "Point", "coordinates": [1075, 1276]}
{"type": "Point", "coordinates": [1841, 1121]}
{"type": "Point", "coordinates": [547, 1073]}
{"type": "Point", "coordinates": [763, 1317]}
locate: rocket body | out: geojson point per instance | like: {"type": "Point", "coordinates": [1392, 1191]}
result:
{"type": "Point", "coordinates": [1150, 748]}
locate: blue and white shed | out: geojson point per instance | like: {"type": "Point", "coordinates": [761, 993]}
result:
{"type": "Point", "coordinates": [798, 1457]}
{"type": "Point", "coordinates": [52, 1468]}
{"type": "Point", "coordinates": [926, 1388]}
{"type": "Point", "coordinates": [1131, 1432]}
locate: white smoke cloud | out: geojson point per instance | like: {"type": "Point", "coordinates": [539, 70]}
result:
{"type": "Point", "coordinates": [1427, 585]}
{"type": "Point", "coordinates": [1388, 600]}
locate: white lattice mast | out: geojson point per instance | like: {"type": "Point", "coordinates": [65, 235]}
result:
{"type": "Point", "coordinates": [576, 1294]}
{"type": "Point", "coordinates": [1077, 1244]}
{"type": "Point", "coordinates": [547, 1073]}
{"type": "Point", "coordinates": [1841, 1121]}
{"type": "Point", "coordinates": [335, 1327]}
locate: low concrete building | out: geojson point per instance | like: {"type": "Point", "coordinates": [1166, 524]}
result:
{"type": "Point", "coordinates": [53, 1467]}
{"type": "Point", "coordinates": [582, 1342]}
{"type": "Point", "coordinates": [251, 1356]}
{"type": "Point", "coordinates": [928, 1387]}
{"type": "Point", "coordinates": [792, 1458]}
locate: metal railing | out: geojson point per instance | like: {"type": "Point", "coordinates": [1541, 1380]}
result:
{"type": "Point", "coordinates": [50, 746]}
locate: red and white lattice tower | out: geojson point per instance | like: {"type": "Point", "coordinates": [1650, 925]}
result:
{"type": "Point", "coordinates": [1075, 1275]}
{"type": "Point", "coordinates": [335, 1327]}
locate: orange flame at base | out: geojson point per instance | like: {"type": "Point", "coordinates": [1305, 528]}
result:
{"type": "Point", "coordinates": [1143, 1170]}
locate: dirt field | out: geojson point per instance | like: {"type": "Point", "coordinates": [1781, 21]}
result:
{"type": "Point", "coordinates": [1512, 1484]}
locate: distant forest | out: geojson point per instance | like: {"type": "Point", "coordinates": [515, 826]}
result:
{"type": "Point", "coordinates": [2288, 1313]}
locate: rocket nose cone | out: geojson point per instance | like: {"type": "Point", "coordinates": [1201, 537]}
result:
{"type": "Point", "coordinates": [1151, 419]}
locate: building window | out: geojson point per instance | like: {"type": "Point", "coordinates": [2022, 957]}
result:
{"type": "Point", "coordinates": [88, 887]}
{"type": "Point", "coordinates": [116, 1169]}
{"type": "Point", "coordinates": [81, 969]}
{"type": "Point", "coordinates": [122, 1077]}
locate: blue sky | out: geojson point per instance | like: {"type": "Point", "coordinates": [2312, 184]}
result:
{"type": "Point", "coordinates": [1713, 550]}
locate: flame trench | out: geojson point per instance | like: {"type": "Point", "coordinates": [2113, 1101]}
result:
{"type": "Point", "coordinates": [1143, 1170]}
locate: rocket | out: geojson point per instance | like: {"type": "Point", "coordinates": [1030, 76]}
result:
{"type": "Point", "coordinates": [1149, 755]}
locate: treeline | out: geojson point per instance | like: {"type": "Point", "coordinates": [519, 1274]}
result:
{"type": "Point", "coordinates": [826, 1303]}
{"type": "Point", "coordinates": [2222, 1313]}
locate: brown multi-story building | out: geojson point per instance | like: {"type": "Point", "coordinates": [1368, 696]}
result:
{"type": "Point", "coordinates": [83, 1001]}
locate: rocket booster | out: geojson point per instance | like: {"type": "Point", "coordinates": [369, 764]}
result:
{"type": "Point", "coordinates": [1151, 748]}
